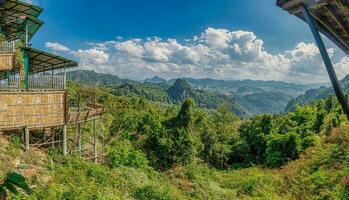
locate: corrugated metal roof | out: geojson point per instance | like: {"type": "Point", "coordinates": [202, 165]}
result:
{"type": "Point", "coordinates": [40, 61]}
{"type": "Point", "coordinates": [12, 13]}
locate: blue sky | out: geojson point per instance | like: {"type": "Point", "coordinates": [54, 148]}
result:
{"type": "Point", "coordinates": [226, 39]}
{"type": "Point", "coordinates": [90, 20]}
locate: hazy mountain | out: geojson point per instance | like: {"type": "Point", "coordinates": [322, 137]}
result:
{"type": "Point", "coordinates": [237, 85]}
{"type": "Point", "coordinates": [247, 96]}
{"type": "Point", "coordinates": [155, 79]}
{"type": "Point", "coordinates": [314, 94]}
{"type": "Point", "coordinates": [264, 102]}
{"type": "Point", "coordinates": [93, 78]}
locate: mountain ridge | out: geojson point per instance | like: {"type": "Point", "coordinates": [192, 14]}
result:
{"type": "Point", "coordinates": [310, 96]}
{"type": "Point", "coordinates": [249, 97]}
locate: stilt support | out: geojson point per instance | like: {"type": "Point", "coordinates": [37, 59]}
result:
{"type": "Point", "coordinates": [53, 139]}
{"type": "Point", "coordinates": [65, 152]}
{"type": "Point", "coordinates": [95, 153]}
{"type": "Point", "coordinates": [79, 138]}
{"type": "Point", "coordinates": [326, 58]}
{"type": "Point", "coordinates": [27, 139]}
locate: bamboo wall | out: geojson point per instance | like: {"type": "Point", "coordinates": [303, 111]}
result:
{"type": "Point", "coordinates": [7, 61]}
{"type": "Point", "coordinates": [34, 110]}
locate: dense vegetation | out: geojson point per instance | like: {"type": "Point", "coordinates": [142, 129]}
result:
{"type": "Point", "coordinates": [166, 151]}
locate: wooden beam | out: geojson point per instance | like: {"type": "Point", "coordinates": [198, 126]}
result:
{"type": "Point", "coordinates": [311, 4]}
{"type": "Point", "coordinates": [339, 21]}
{"type": "Point", "coordinates": [327, 26]}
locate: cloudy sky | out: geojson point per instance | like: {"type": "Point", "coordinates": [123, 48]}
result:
{"type": "Point", "coordinates": [221, 39]}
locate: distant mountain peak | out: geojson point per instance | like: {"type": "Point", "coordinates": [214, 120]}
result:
{"type": "Point", "coordinates": [180, 90]}
{"type": "Point", "coordinates": [155, 79]}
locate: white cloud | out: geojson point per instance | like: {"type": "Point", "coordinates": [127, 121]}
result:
{"type": "Point", "coordinates": [92, 56]}
{"type": "Point", "coordinates": [216, 53]}
{"type": "Point", "coordinates": [56, 46]}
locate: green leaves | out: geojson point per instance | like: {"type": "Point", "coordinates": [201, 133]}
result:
{"type": "Point", "coordinates": [281, 148]}
{"type": "Point", "coordinates": [14, 181]}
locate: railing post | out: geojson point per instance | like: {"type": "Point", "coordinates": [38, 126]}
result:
{"type": "Point", "coordinates": [65, 77]}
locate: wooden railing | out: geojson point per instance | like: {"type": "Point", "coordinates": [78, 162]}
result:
{"type": "Point", "coordinates": [92, 111]}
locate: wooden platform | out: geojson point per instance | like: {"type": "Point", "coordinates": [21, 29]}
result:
{"type": "Point", "coordinates": [37, 110]}
{"type": "Point", "coordinates": [32, 109]}
{"type": "Point", "coordinates": [91, 112]}
{"type": "Point", "coordinates": [332, 17]}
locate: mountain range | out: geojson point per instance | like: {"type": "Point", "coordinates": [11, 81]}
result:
{"type": "Point", "coordinates": [315, 94]}
{"type": "Point", "coordinates": [246, 97]}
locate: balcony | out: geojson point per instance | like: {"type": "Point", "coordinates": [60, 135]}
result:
{"type": "Point", "coordinates": [36, 83]}
{"type": "Point", "coordinates": [7, 55]}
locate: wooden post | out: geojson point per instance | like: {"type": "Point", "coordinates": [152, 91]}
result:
{"type": "Point", "coordinates": [27, 139]}
{"type": "Point", "coordinates": [95, 142]}
{"type": "Point", "coordinates": [46, 132]}
{"type": "Point", "coordinates": [53, 139]}
{"type": "Point", "coordinates": [79, 138]}
{"type": "Point", "coordinates": [65, 152]}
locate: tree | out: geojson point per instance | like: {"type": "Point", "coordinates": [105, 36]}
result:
{"type": "Point", "coordinates": [281, 148]}
{"type": "Point", "coordinates": [174, 142]}
{"type": "Point", "coordinates": [11, 183]}
{"type": "Point", "coordinates": [254, 135]}
{"type": "Point", "coordinates": [219, 136]}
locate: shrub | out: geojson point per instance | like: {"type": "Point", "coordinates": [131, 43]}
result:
{"type": "Point", "coordinates": [123, 154]}
{"type": "Point", "coordinates": [14, 148]}
{"type": "Point", "coordinates": [310, 141]}
{"type": "Point", "coordinates": [281, 148]}
{"type": "Point", "coordinates": [151, 192]}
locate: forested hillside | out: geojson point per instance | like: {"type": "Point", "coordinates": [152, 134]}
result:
{"type": "Point", "coordinates": [93, 78]}
{"type": "Point", "coordinates": [161, 151]}
{"type": "Point", "coordinates": [314, 94]}
{"type": "Point", "coordinates": [247, 97]}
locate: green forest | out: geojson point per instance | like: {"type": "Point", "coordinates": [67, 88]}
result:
{"type": "Point", "coordinates": [164, 151]}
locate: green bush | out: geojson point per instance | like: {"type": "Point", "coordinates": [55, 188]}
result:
{"type": "Point", "coordinates": [310, 141]}
{"type": "Point", "coordinates": [281, 148]}
{"type": "Point", "coordinates": [122, 154]}
{"type": "Point", "coordinates": [151, 192]}
{"type": "Point", "coordinates": [14, 146]}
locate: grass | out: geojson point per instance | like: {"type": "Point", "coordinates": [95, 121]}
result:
{"type": "Point", "coordinates": [322, 172]}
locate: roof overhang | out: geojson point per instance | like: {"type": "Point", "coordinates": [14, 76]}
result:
{"type": "Point", "coordinates": [11, 18]}
{"type": "Point", "coordinates": [331, 16]}
{"type": "Point", "coordinates": [40, 61]}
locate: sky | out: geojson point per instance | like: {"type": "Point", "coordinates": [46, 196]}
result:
{"type": "Point", "coordinates": [220, 39]}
